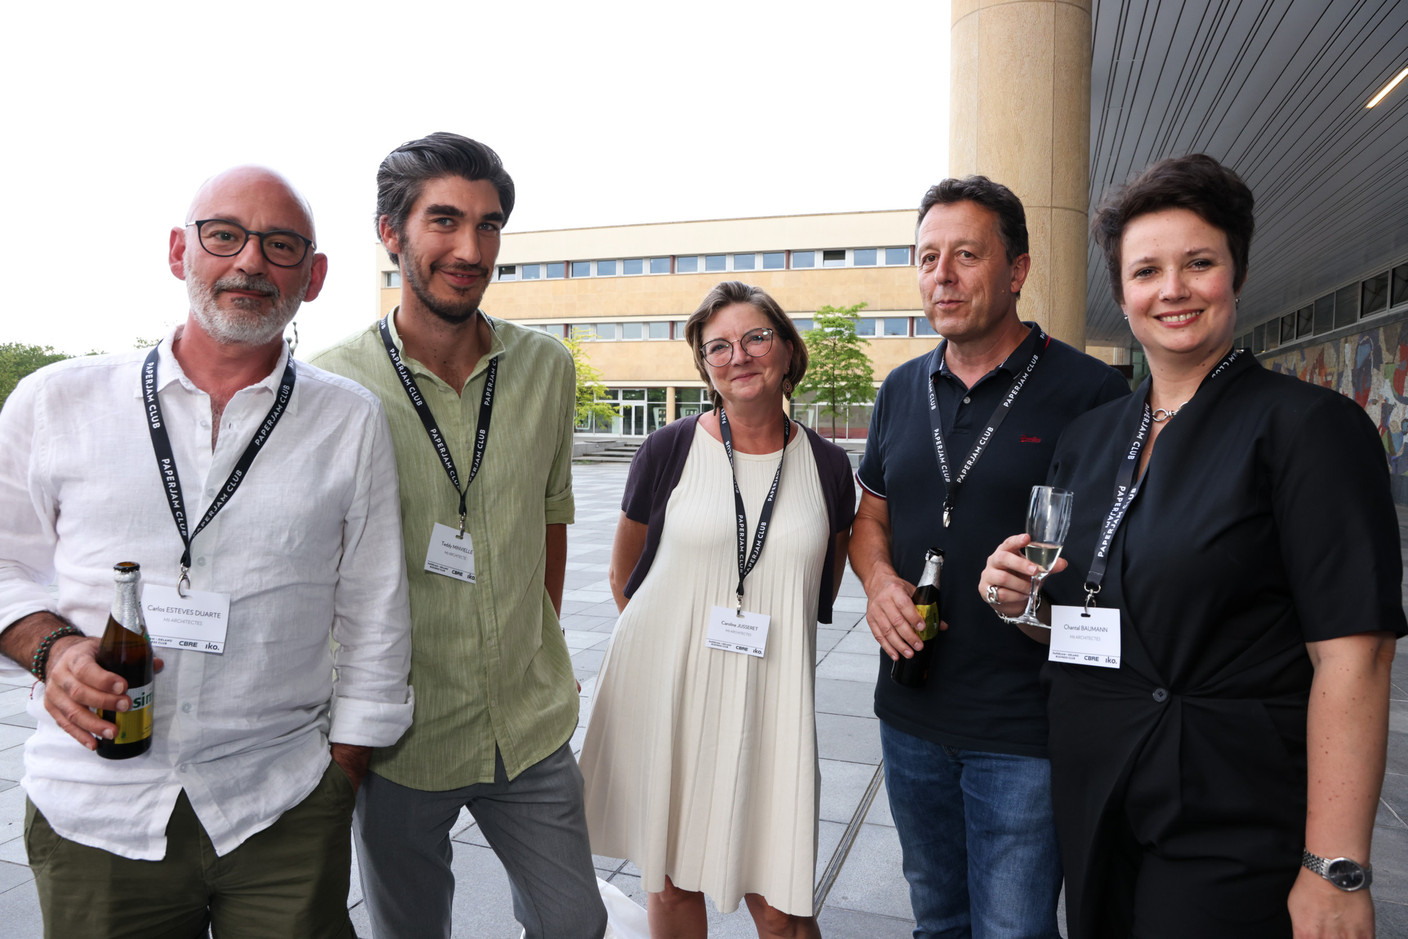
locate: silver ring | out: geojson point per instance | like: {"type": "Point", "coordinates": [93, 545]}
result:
{"type": "Point", "coordinates": [992, 595]}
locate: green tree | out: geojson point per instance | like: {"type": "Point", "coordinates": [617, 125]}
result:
{"type": "Point", "coordinates": [839, 372]}
{"type": "Point", "coordinates": [589, 386]}
{"type": "Point", "coordinates": [18, 360]}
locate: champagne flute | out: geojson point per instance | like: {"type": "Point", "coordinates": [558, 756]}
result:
{"type": "Point", "coordinates": [1048, 521]}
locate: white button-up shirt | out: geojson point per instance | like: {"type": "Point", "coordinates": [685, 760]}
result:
{"type": "Point", "coordinates": [308, 549]}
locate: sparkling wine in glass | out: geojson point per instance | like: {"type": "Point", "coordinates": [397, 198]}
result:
{"type": "Point", "coordinates": [1048, 521]}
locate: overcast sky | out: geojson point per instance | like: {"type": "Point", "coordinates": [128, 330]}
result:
{"type": "Point", "coordinates": [607, 113]}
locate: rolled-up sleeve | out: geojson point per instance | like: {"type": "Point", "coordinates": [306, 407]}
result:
{"type": "Point", "coordinates": [372, 702]}
{"type": "Point", "coordinates": [560, 508]}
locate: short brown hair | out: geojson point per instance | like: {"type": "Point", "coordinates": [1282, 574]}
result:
{"type": "Point", "coordinates": [1195, 182]}
{"type": "Point", "coordinates": [728, 293]}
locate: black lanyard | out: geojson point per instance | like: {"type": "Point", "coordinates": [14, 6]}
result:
{"type": "Point", "coordinates": [166, 458]}
{"type": "Point", "coordinates": [481, 436]}
{"type": "Point", "coordinates": [764, 517]}
{"type": "Point", "coordinates": [1126, 488]}
{"type": "Point", "coordinates": [951, 483]}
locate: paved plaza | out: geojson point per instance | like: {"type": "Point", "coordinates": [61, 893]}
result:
{"type": "Point", "coordinates": [861, 889]}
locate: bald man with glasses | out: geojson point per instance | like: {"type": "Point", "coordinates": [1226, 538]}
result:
{"type": "Point", "coordinates": [259, 497]}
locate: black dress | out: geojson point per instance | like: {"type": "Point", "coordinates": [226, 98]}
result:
{"type": "Point", "coordinates": [1263, 522]}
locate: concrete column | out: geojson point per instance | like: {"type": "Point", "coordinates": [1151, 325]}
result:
{"type": "Point", "coordinates": [1020, 114]}
{"type": "Point", "coordinates": [670, 412]}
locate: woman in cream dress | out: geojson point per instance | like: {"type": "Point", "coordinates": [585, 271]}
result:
{"type": "Point", "coordinates": [700, 762]}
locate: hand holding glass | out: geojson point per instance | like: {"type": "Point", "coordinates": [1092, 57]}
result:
{"type": "Point", "coordinates": [1048, 521]}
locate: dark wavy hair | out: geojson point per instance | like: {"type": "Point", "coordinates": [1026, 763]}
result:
{"type": "Point", "coordinates": [728, 293]}
{"type": "Point", "coordinates": [405, 171]}
{"type": "Point", "coordinates": [1195, 182]}
{"type": "Point", "coordinates": [995, 197]}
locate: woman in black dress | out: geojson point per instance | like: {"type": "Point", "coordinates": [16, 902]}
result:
{"type": "Point", "coordinates": [1234, 529]}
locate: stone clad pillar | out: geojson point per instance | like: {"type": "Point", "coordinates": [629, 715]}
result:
{"type": "Point", "coordinates": [1020, 114]}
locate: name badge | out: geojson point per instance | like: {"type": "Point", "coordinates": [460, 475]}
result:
{"type": "Point", "coordinates": [730, 631]}
{"type": "Point", "coordinates": [195, 622]}
{"type": "Point", "coordinates": [1079, 637]}
{"type": "Point", "coordinates": [450, 554]}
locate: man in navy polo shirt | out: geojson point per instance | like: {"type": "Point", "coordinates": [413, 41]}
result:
{"type": "Point", "coordinates": [958, 438]}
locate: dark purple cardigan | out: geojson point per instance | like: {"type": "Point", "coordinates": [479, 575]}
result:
{"type": "Point", "coordinates": [657, 468]}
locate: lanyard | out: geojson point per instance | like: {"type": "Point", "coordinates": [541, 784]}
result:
{"type": "Point", "coordinates": [951, 483]}
{"type": "Point", "coordinates": [166, 458]}
{"type": "Point", "coordinates": [1126, 488]}
{"type": "Point", "coordinates": [765, 516]}
{"type": "Point", "coordinates": [481, 437]}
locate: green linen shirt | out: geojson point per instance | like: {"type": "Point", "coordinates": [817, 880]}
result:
{"type": "Point", "coordinates": [488, 661]}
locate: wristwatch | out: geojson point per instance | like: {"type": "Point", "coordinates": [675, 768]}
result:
{"type": "Point", "coordinates": [1344, 873]}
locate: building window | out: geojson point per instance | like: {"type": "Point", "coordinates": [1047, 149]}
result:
{"type": "Point", "coordinates": [508, 272]}
{"type": "Point", "coordinates": [804, 259]}
{"type": "Point", "coordinates": [687, 265]}
{"type": "Point", "coordinates": [715, 262]}
{"type": "Point", "coordinates": [1374, 295]}
{"type": "Point", "coordinates": [581, 268]}
{"type": "Point", "coordinates": [557, 270]}
{"type": "Point", "coordinates": [1288, 328]}
{"type": "Point", "coordinates": [865, 327]}
{"type": "Point", "coordinates": [1305, 321]}
{"type": "Point", "coordinates": [774, 260]}
{"type": "Point", "coordinates": [744, 262]}
{"type": "Point", "coordinates": [803, 323]}
{"type": "Point", "coordinates": [632, 330]}
{"type": "Point", "coordinates": [391, 279]}
{"type": "Point", "coordinates": [607, 331]}
{"type": "Point", "coordinates": [864, 257]}
{"type": "Point", "coordinates": [1325, 313]}
{"type": "Point", "coordinates": [896, 255]}
{"type": "Point", "coordinates": [606, 268]}
{"type": "Point", "coordinates": [833, 258]}
{"type": "Point", "coordinates": [1346, 305]}
{"type": "Point", "coordinates": [1400, 285]}
{"type": "Point", "coordinates": [922, 327]}
{"type": "Point", "coordinates": [692, 401]}
{"type": "Point", "coordinates": [659, 265]}
{"type": "Point", "coordinates": [583, 331]}
{"type": "Point", "coordinates": [1259, 336]}
{"type": "Point", "coordinates": [659, 330]}
{"type": "Point", "coordinates": [897, 325]}
{"type": "Point", "coordinates": [632, 266]}
{"type": "Point", "coordinates": [531, 271]}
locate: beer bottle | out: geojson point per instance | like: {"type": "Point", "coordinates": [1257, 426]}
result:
{"type": "Point", "coordinates": [126, 650]}
{"type": "Point", "coordinates": [913, 672]}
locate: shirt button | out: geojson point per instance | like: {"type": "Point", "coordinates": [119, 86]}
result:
{"type": "Point", "coordinates": [181, 768]}
{"type": "Point", "coordinates": [200, 562]}
{"type": "Point", "coordinates": [967, 400]}
{"type": "Point", "coordinates": [1161, 695]}
{"type": "Point", "coordinates": [186, 708]}
{"type": "Point", "coordinates": [204, 423]}
{"type": "Point", "coordinates": [210, 493]}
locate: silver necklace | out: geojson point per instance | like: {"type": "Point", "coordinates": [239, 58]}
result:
{"type": "Point", "coordinates": [1163, 414]}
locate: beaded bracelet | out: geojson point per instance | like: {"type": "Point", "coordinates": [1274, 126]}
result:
{"type": "Point", "coordinates": [40, 663]}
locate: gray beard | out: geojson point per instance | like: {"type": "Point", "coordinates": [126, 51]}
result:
{"type": "Point", "coordinates": [244, 325]}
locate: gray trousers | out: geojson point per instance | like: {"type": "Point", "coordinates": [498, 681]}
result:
{"type": "Point", "coordinates": [535, 824]}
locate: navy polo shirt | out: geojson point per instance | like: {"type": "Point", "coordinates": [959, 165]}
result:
{"type": "Point", "coordinates": [983, 691]}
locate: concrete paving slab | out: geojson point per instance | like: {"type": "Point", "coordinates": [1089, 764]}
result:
{"type": "Point", "coordinates": [847, 666]}
{"type": "Point", "coordinates": [856, 698]}
{"type": "Point", "coordinates": [871, 880]}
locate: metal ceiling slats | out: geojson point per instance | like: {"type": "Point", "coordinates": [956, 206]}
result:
{"type": "Point", "coordinates": [1276, 88]}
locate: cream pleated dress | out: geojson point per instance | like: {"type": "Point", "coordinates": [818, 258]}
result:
{"type": "Point", "coordinates": [701, 764]}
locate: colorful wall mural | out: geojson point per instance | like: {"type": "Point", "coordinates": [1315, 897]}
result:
{"type": "Point", "coordinates": [1372, 368]}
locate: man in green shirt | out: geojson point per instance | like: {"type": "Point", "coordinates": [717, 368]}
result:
{"type": "Point", "coordinates": [484, 508]}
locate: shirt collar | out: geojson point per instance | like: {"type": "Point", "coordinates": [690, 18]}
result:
{"type": "Point", "coordinates": [496, 348]}
{"type": "Point", "coordinates": [168, 368]}
{"type": "Point", "coordinates": [1015, 361]}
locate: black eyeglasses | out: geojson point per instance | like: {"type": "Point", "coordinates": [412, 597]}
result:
{"type": "Point", "coordinates": [755, 342]}
{"type": "Point", "coordinates": [225, 239]}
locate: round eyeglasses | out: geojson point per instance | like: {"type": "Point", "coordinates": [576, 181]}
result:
{"type": "Point", "coordinates": [755, 342]}
{"type": "Point", "coordinates": [225, 239]}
